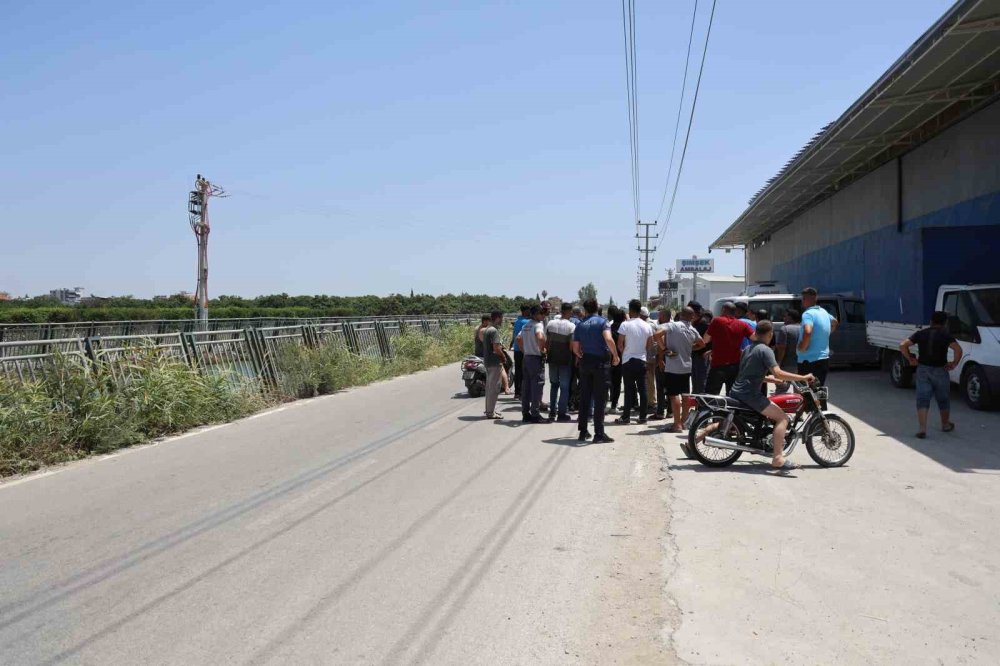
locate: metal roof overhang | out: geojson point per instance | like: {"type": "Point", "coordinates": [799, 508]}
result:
{"type": "Point", "coordinates": [952, 71]}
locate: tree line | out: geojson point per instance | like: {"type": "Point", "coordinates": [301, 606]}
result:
{"type": "Point", "coordinates": [281, 306]}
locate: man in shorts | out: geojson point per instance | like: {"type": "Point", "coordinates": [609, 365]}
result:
{"type": "Point", "coordinates": [680, 341]}
{"type": "Point", "coordinates": [933, 367]}
{"type": "Point", "coordinates": [757, 364]}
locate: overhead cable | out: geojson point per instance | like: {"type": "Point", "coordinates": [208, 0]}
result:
{"type": "Point", "coordinates": [628, 30]}
{"type": "Point", "coordinates": [680, 109]}
{"type": "Point", "coordinates": [687, 136]}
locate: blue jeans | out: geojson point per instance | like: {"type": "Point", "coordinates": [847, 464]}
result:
{"type": "Point", "coordinates": [933, 382]}
{"type": "Point", "coordinates": [559, 378]}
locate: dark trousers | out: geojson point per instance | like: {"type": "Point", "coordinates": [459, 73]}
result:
{"type": "Point", "coordinates": [518, 368]}
{"type": "Point", "coordinates": [532, 385]}
{"type": "Point", "coordinates": [574, 387]}
{"type": "Point", "coordinates": [818, 368]}
{"type": "Point", "coordinates": [662, 404]}
{"type": "Point", "coordinates": [699, 373]}
{"type": "Point", "coordinates": [634, 374]}
{"type": "Point", "coordinates": [722, 374]}
{"type": "Point", "coordinates": [616, 384]}
{"type": "Point", "coordinates": [594, 374]}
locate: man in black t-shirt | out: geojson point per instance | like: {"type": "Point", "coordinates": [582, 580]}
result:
{"type": "Point", "coordinates": [699, 361]}
{"type": "Point", "coordinates": [933, 367]}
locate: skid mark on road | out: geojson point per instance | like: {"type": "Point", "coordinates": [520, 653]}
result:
{"type": "Point", "coordinates": [111, 567]}
{"type": "Point", "coordinates": [192, 582]}
{"type": "Point", "coordinates": [475, 567]}
{"type": "Point", "coordinates": [354, 577]}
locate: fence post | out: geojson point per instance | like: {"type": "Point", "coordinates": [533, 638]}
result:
{"type": "Point", "coordinates": [309, 336]}
{"type": "Point", "coordinates": [88, 348]}
{"type": "Point", "coordinates": [191, 350]}
{"type": "Point", "coordinates": [352, 338]}
{"type": "Point", "coordinates": [385, 349]}
{"type": "Point", "coordinates": [261, 359]}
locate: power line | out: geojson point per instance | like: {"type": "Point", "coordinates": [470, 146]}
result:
{"type": "Point", "coordinates": [680, 108]}
{"type": "Point", "coordinates": [628, 31]}
{"type": "Point", "coordinates": [687, 135]}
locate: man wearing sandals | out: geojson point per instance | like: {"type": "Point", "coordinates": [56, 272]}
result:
{"type": "Point", "coordinates": [757, 363]}
{"type": "Point", "coordinates": [493, 358]}
{"type": "Point", "coordinates": [933, 367]}
{"type": "Point", "coordinates": [681, 339]}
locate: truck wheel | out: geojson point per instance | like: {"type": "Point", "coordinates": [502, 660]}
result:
{"type": "Point", "coordinates": [976, 389]}
{"type": "Point", "coordinates": [900, 372]}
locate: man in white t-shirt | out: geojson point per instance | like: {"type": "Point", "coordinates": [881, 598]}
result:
{"type": "Point", "coordinates": [633, 340]}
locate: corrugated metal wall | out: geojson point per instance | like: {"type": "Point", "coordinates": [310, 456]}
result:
{"type": "Point", "coordinates": [851, 243]}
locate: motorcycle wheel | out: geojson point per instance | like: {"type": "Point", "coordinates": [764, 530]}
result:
{"type": "Point", "coordinates": [713, 456]}
{"type": "Point", "coordinates": [476, 389]}
{"type": "Point", "coordinates": [831, 450]}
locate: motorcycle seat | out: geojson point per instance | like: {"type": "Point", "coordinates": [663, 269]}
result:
{"type": "Point", "coordinates": [738, 404]}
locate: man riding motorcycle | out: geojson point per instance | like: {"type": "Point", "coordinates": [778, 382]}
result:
{"type": "Point", "coordinates": [757, 365]}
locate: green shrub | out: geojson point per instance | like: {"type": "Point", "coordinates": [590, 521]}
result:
{"type": "Point", "coordinates": [74, 411]}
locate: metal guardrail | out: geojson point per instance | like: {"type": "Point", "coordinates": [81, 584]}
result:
{"type": "Point", "coordinates": [32, 360]}
{"type": "Point", "coordinates": [89, 329]}
{"type": "Point", "coordinates": [243, 357]}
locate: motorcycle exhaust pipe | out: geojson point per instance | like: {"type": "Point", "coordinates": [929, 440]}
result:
{"type": "Point", "coordinates": [723, 444]}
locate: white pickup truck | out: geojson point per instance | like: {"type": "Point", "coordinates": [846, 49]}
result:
{"type": "Point", "coordinates": [974, 319]}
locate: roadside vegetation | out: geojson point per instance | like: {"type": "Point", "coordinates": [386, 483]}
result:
{"type": "Point", "coordinates": [75, 411]}
{"type": "Point", "coordinates": [44, 309]}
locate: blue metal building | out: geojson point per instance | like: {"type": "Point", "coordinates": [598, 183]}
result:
{"type": "Point", "coordinates": [902, 192]}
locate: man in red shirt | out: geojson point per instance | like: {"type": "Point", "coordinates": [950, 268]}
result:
{"type": "Point", "coordinates": [725, 334]}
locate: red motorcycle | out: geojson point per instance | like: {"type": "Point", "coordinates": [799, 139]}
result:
{"type": "Point", "coordinates": [731, 428]}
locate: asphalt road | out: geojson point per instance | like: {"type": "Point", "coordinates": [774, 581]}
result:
{"type": "Point", "coordinates": [390, 524]}
{"type": "Point", "coordinates": [386, 524]}
{"type": "Point", "coordinates": [893, 559]}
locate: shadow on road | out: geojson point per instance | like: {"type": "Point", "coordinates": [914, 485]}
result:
{"type": "Point", "coordinates": [867, 395]}
{"type": "Point", "coordinates": [567, 441]}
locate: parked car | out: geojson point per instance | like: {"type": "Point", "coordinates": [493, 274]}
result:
{"type": "Point", "coordinates": [848, 344]}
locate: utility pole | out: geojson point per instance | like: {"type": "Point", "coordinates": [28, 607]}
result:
{"type": "Point", "coordinates": [198, 218]}
{"type": "Point", "coordinates": [645, 258]}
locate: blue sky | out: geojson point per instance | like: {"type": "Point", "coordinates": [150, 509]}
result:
{"type": "Point", "coordinates": [385, 146]}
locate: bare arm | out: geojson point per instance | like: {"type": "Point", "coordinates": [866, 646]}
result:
{"type": "Point", "coordinates": [780, 374]}
{"type": "Point", "coordinates": [543, 342]}
{"type": "Point", "coordinates": [577, 349]}
{"type": "Point", "coordinates": [621, 343]}
{"type": "Point", "coordinates": [904, 349]}
{"type": "Point", "coordinates": [807, 331]}
{"type": "Point", "coordinates": [498, 350]}
{"type": "Point", "coordinates": [834, 323]}
{"type": "Point", "coordinates": [955, 347]}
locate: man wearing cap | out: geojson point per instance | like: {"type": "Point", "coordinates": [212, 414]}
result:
{"type": "Point", "coordinates": [650, 378]}
{"type": "Point", "coordinates": [699, 357]}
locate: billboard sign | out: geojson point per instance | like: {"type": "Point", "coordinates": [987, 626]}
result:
{"type": "Point", "coordinates": [667, 285]}
{"type": "Point", "coordinates": [695, 265]}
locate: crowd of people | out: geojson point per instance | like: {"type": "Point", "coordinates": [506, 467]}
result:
{"type": "Point", "coordinates": [657, 360]}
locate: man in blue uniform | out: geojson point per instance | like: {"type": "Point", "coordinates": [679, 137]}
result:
{"type": "Point", "coordinates": [596, 352]}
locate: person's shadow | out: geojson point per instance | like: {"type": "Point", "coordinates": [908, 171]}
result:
{"type": "Point", "coordinates": [567, 441]}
